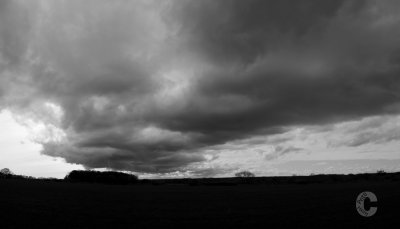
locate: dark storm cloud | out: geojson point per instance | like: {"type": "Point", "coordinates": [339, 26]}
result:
{"type": "Point", "coordinates": [14, 28]}
{"type": "Point", "coordinates": [226, 31]}
{"type": "Point", "coordinates": [149, 86]}
{"type": "Point", "coordinates": [325, 63]}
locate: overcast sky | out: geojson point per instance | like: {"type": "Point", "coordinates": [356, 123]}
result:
{"type": "Point", "coordinates": [199, 88]}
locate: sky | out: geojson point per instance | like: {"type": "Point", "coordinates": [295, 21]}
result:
{"type": "Point", "coordinates": [188, 88]}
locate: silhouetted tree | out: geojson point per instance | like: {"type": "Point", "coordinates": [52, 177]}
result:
{"type": "Point", "coordinates": [108, 177]}
{"type": "Point", "coordinates": [244, 174]}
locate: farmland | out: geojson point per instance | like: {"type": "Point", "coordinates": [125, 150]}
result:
{"type": "Point", "coordinates": [60, 204]}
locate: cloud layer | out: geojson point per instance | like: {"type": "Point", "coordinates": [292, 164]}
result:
{"type": "Point", "coordinates": [149, 87]}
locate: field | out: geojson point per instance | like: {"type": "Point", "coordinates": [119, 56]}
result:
{"type": "Point", "coordinates": [57, 204]}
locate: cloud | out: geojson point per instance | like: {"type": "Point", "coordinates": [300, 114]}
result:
{"type": "Point", "coordinates": [371, 130]}
{"type": "Point", "coordinates": [338, 166]}
{"type": "Point", "coordinates": [281, 150]}
{"type": "Point", "coordinates": [149, 87]}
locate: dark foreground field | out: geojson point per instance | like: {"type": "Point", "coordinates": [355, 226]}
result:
{"type": "Point", "coordinates": [50, 204]}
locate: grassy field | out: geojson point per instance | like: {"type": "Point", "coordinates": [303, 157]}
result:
{"type": "Point", "coordinates": [51, 204]}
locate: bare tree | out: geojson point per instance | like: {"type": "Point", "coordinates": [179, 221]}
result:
{"type": "Point", "coordinates": [244, 174]}
{"type": "Point", "coordinates": [6, 171]}
{"type": "Point", "coordinates": [381, 171]}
